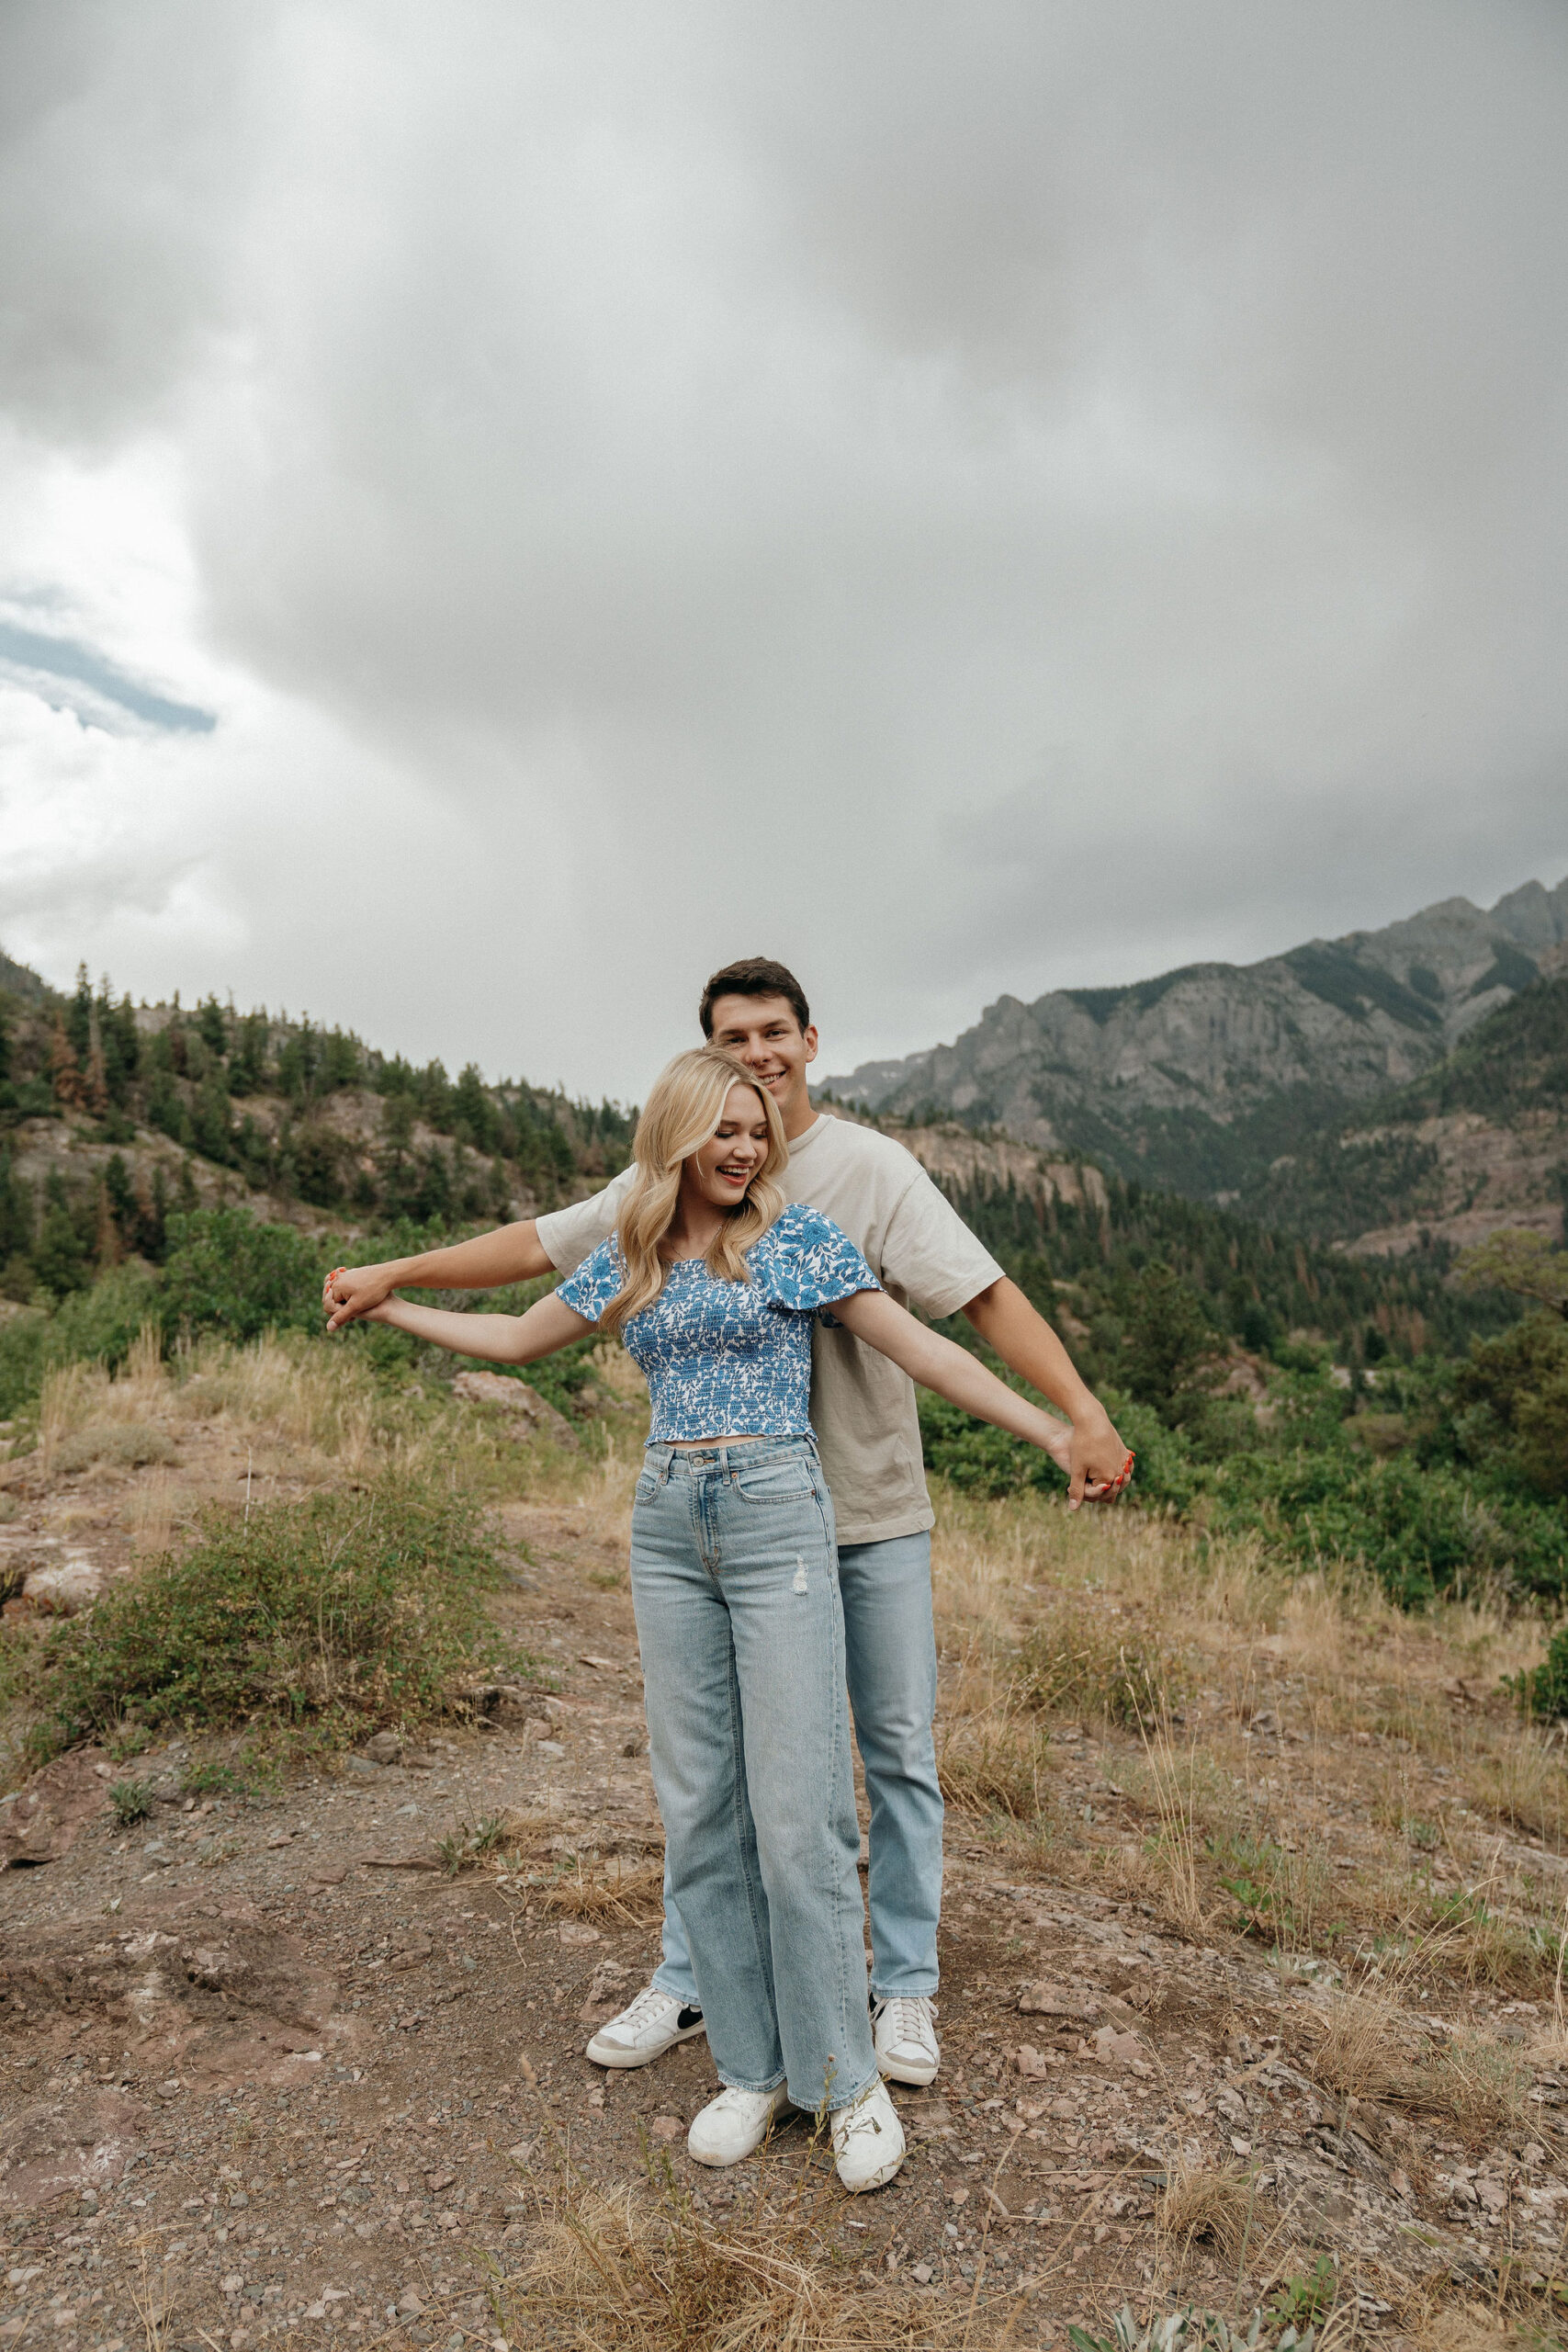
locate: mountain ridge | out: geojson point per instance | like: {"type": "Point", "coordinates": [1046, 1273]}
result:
{"type": "Point", "coordinates": [1201, 1079]}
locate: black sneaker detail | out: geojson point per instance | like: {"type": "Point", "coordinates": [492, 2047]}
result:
{"type": "Point", "coordinates": [687, 2019]}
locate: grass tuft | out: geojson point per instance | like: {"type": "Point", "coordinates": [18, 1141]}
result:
{"type": "Point", "coordinates": [331, 1613]}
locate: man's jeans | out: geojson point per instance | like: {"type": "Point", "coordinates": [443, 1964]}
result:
{"type": "Point", "coordinates": [890, 1646]}
{"type": "Point", "coordinates": [735, 1583]}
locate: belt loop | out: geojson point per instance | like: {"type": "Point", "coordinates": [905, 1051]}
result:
{"type": "Point", "coordinates": [667, 1466]}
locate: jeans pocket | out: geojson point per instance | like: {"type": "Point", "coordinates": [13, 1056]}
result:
{"type": "Point", "coordinates": [646, 1488]}
{"type": "Point", "coordinates": [775, 1482]}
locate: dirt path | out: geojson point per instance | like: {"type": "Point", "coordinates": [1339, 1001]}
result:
{"type": "Point", "coordinates": [269, 2067]}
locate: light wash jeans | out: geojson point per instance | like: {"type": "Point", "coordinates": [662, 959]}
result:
{"type": "Point", "coordinates": [735, 1583]}
{"type": "Point", "coordinates": [890, 1649]}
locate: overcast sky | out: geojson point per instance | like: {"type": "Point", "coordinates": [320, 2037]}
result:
{"type": "Point", "coordinates": [504, 508]}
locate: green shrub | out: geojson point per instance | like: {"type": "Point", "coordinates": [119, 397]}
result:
{"type": "Point", "coordinates": [23, 1340]}
{"type": "Point", "coordinates": [979, 1458]}
{"type": "Point", "coordinates": [132, 1801]}
{"type": "Point", "coordinates": [1545, 1688]}
{"type": "Point", "coordinates": [228, 1271]}
{"type": "Point", "coordinates": [99, 1323]}
{"type": "Point", "coordinates": [1420, 1531]}
{"type": "Point", "coordinates": [338, 1611]}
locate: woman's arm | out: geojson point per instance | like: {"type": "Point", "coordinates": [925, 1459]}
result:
{"type": "Point", "coordinates": [513, 1253]}
{"type": "Point", "coordinates": [938, 1364]}
{"type": "Point", "coordinates": [549, 1324]}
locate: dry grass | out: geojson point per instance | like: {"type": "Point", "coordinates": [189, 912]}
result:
{"type": "Point", "coordinates": [596, 1891]}
{"type": "Point", "coordinates": [640, 2270]}
{"type": "Point", "coordinates": [1360, 2056]}
{"type": "Point", "coordinates": [1218, 2203]}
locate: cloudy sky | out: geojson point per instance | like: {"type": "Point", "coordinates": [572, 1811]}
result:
{"type": "Point", "coordinates": [504, 508]}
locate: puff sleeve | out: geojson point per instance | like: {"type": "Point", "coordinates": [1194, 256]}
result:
{"type": "Point", "coordinates": [809, 1264]}
{"type": "Point", "coordinates": [589, 1291]}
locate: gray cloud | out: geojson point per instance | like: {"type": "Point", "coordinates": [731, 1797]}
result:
{"type": "Point", "coordinates": [967, 500]}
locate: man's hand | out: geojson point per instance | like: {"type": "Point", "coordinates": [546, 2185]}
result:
{"type": "Point", "coordinates": [1099, 1465]}
{"type": "Point", "coordinates": [354, 1291]}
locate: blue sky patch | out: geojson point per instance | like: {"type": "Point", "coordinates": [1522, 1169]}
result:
{"type": "Point", "coordinates": [52, 667]}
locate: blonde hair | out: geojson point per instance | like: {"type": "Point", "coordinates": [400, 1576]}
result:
{"type": "Point", "coordinates": [683, 1111]}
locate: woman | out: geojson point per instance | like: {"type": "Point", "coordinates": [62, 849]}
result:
{"type": "Point", "coordinates": [713, 1284]}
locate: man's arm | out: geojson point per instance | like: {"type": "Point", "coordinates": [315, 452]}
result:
{"type": "Point", "coordinates": [1027, 1345]}
{"type": "Point", "coordinates": [513, 1253]}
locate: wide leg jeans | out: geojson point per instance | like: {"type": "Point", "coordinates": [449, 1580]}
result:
{"type": "Point", "coordinates": [890, 1649]}
{"type": "Point", "coordinates": [735, 1586]}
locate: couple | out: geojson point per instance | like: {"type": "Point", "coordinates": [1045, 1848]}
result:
{"type": "Point", "coordinates": [752, 1259]}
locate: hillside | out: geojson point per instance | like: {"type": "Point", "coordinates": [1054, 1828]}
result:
{"type": "Point", "coordinates": [1200, 1080]}
{"type": "Point", "coordinates": [112, 1115]}
{"type": "Point", "coordinates": [1479, 1141]}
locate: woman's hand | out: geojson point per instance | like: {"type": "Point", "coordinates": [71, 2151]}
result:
{"type": "Point", "coordinates": [351, 1294]}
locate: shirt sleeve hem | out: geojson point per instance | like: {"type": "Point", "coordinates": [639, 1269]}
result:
{"type": "Point", "coordinates": [543, 1227]}
{"type": "Point", "coordinates": [883, 1531]}
{"type": "Point", "coordinates": [953, 1295]}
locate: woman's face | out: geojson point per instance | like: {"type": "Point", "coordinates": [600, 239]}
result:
{"type": "Point", "coordinates": [726, 1163]}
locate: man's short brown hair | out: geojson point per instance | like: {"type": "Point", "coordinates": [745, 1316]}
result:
{"type": "Point", "coordinates": [755, 976]}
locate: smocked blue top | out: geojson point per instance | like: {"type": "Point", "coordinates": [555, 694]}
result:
{"type": "Point", "coordinates": [731, 1359]}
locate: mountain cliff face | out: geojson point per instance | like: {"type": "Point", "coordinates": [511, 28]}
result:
{"type": "Point", "coordinates": [1201, 1079]}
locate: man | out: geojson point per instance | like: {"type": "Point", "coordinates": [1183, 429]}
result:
{"type": "Point", "coordinates": [862, 1408]}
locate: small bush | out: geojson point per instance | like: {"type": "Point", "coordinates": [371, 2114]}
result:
{"type": "Point", "coordinates": [337, 1611]}
{"type": "Point", "coordinates": [127, 1445]}
{"type": "Point", "coordinates": [1545, 1688]}
{"type": "Point", "coordinates": [132, 1801]}
{"type": "Point", "coordinates": [229, 1273]}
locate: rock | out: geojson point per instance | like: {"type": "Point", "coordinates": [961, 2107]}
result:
{"type": "Point", "coordinates": [666, 2128]}
{"type": "Point", "coordinates": [383, 1747]}
{"type": "Point", "coordinates": [503, 1703]}
{"type": "Point", "coordinates": [578, 1931]}
{"type": "Point", "coordinates": [62, 1591]}
{"type": "Point", "coordinates": [522, 1404]}
{"type": "Point", "coordinates": [551, 1748]}
{"type": "Point", "coordinates": [1031, 2065]}
{"type": "Point", "coordinates": [921, 2274]}
{"type": "Point", "coordinates": [436, 2181]}
{"type": "Point", "coordinates": [221, 1990]}
{"type": "Point", "coordinates": [608, 1978]}
{"type": "Point", "coordinates": [53, 1809]}
{"type": "Point", "coordinates": [1047, 2000]}
{"type": "Point", "coordinates": [412, 1956]}
{"type": "Point", "coordinates": [360, 1767]}
{"type": "Point", "coordinates": [330, 1873]}
{"type": "Point", "coordinates": [50, 2152]}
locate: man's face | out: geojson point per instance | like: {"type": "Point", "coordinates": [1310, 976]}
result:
{"type": "Point", "coordinates": [763, 1032]}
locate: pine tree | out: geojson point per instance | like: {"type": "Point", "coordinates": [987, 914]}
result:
{"type": "Point", "coordinates": [64, 1070]}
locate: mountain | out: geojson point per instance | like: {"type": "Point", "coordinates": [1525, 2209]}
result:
{"type": "Point", "coordinates": [1202, 1079]}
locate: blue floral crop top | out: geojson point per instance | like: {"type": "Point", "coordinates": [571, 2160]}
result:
{"type": "Point", "coordinates": [731, 1359]}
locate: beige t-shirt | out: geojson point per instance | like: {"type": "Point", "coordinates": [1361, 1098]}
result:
{"type": "Point", "coordinates": [862, 1407]}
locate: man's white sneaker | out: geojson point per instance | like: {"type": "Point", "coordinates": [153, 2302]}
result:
{"type": "Point", "coordinates": [644, 2030]}
{"type": "Point", "coordinates": [734, 2125]}
{"type": "Point", "coordinates": [907, 2048]}
{"type": "Point", "coordinates": [868, 2140]}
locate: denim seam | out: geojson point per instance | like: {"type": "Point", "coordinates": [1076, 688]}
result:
{"type": "Point", "coordinates": [739, 1804]}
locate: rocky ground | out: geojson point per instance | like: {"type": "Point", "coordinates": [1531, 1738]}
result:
{"type": "Point", "coordinates": [270, 2063]}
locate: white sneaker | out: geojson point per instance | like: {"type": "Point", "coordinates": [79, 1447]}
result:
{"type": "Point", "coordinates": [734, 2125]}
{"type": "Point", "coordinates": [644, 2030]}
{"type": "Point", "coordinates": [907, 2048]}
{"type": "Point", "coordinates": [868, 2140]}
